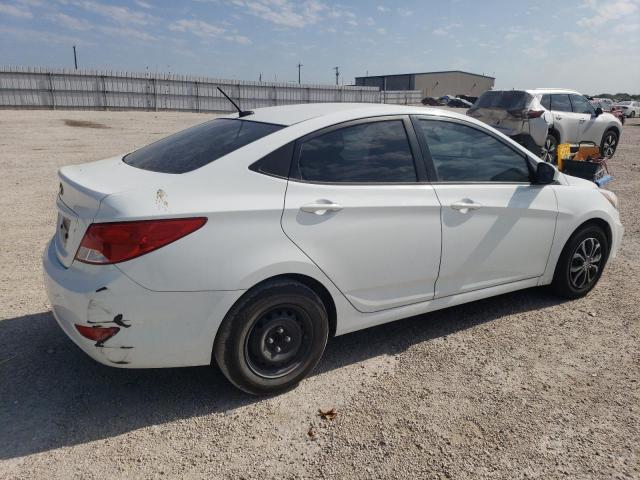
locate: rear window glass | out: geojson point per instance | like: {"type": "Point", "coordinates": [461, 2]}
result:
{"type": "Point", "coordinates": [507, 100]}
{"type": "Point", "coordinates": [197, 146]}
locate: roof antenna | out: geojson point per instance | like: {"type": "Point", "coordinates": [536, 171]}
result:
{"type": "Point", "coordinates": [241, 113]}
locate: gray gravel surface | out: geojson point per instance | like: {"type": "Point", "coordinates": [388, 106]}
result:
{"type": "Point", "coordinates": [519, 386]}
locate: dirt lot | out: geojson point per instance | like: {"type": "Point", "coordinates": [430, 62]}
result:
{"type": "Point", "coordinates": [518, 386]}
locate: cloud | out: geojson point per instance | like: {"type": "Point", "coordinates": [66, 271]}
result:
{"type": "Point", "coordinates": [445, 30]}
{"type": "Point", "coordinates": [69, 22]}
{"type": "Point", "coordinates": [203, 29]}
{"type": "Point", "coordinates": [128, 32]}
{"type": "Point", "coordinates": [382, 8]}
{"type": "Point", "coordinates": [284, 12]}
{"type": "Point", "coordinates": [115, 13]}
{"type": "Point", "coordinates": [39, 36]}
{"type": "Point", "coordinates": [404, 12]}
{"type": "Point", "coordinates": [381, 31]}
{"type": "Point", "coordinates": [603, 12]}
{"type": "Point", "coordinates": [15, 11]}
{"type": "Point", "coordinates": [142, 4]}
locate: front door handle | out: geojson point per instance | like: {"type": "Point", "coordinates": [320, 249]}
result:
{"type": "Point", "coordinates": [558, 117]}
{"type": "Point", "coordinates": [464, 206]}
{"type": "Point", "coordinates": [320, 207]}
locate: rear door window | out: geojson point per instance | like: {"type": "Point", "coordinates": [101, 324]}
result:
{"type": "Point", "coordinates": [375, 152]}
{"type": "Point", "coordinates": [545, 101]}
{"type": "Point", "coordinates": [465, 154]}
{"type": "Point", "coordinates": [197, 146]}
{"type": "Point", "coordinates": [560, 103]}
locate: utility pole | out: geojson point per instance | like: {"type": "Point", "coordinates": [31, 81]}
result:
{"type": "Point", "coordinates": [299, 68]}
{"type": "Point", "coordinates": [75, 57]}
{"type": "Point", "coordinates": [260, 77]}
{"type": "Point", "coordinates": [337, 69]}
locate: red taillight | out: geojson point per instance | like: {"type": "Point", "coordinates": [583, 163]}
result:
{"type": "Point", "coordinates": [105, 243]}
{"type": "Point", "coordinates": [534, 113]}
{"type": "Point", "coordinates": [97, 334]}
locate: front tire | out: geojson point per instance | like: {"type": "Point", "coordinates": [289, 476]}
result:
{"type": "Point", "coordinates": [581, 262]}
{"type": "Point", "coordinates": [272, 338]}
{"type": "Point", "coordinates": [609, 143]}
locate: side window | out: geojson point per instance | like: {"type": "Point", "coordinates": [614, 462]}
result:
{"type": "Point", "coordinates": [546, 101]}
{"type": "Point", "coordinates": [581, 105]}
{"type": "Point", "coordinates": [560, 103]}
{"type": "Point", "coordinates": [466, 154]}
{"type": "Point", "coordinates": [376, 152]}
{"type": "Point", "coordinates": [276, 163]}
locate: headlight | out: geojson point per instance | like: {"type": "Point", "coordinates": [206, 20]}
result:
{"type": "Point", "coordinates": [612, 197]}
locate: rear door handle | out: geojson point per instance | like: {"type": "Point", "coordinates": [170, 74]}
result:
{"type": "Point", "coordinates": [558, 117]}
{"type": "Point", "coordinates": [320, 207]}
{"type": "Point", "coordinates": [582, 120]}
{"type": "Point", "coordinates": [464, 206]}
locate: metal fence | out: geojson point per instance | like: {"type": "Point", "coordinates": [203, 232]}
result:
{"type": "Point", "coordinates": [402, 97]}
{"type": "Point", "coordinates": [33, 87]}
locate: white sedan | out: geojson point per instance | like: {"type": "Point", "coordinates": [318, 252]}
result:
{"type": "Point", "coordinates": [629, 108]}
{"type": "Point", "coordinates": [252, 239]}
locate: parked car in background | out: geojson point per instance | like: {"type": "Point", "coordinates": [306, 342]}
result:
{"type": "Point", "coordinates": [607, 106]}
{"type": "Point", "coordinates": [459, 103]}
{"type": "Point", "coordinates": [432, 102]}
{"type": "Point", "coordinates": [629, 108]}
{"type": "Point", "coordinates": [604, 103]}
{"type": "Point", "coordinates": [252, 239]}
{"type": "Point", "coordinates": [541, 119]}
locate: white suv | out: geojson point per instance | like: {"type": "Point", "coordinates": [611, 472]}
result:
{"type": "Point", "coordinates": [540, 119]}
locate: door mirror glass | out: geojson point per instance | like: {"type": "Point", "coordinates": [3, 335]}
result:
{"type": "Point", "coordinates": [545, 173]}
{"type": "Point", "coordinates": [599, 111]}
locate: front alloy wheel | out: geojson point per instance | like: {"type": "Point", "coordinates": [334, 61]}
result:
{"type": "Point", "coordinates": [586, 263]}
{"type": "Point", "coordinates": [549, 149]}
{"type": "Point", "coordinates": [581, 262]}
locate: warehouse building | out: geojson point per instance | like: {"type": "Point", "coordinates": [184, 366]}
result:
{"type": "Point", "coordinates": [432, 84]}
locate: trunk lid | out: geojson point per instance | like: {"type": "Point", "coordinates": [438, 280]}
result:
{"type": "Point", "coordinates": [82, 189]}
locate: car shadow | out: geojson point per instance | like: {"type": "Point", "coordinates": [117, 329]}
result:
{"type": "Point", "coordinates": [52, 395]}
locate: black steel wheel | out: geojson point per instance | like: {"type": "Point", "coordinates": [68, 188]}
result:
{"type": "Point", "coordinates": [278, 341]}
{"type": "Point", "coordinates": [272, 337]}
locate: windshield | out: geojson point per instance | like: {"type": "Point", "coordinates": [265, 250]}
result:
{"type": "Point", "coordinates": [197, 146]}
{"type": "Point", "coordinates": [507, 100]}
{"type": "Point", "coordinates": [624, 103]}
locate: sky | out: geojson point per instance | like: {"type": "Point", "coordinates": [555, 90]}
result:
{"type": "Point", "coordinates": [589, 45]}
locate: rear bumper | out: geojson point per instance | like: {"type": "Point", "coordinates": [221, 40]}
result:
{"type": "Point", "coordinates": [164, 329]}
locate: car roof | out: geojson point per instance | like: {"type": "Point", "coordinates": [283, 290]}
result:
{"type": "Point", "coordinates": [291, 114]}
{"type": "Point", "coordinates": [537, 91]}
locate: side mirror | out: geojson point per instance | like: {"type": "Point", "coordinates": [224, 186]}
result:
{"type": "Point", "coordinates": [545, 173]}
{"type": "Point", "coordinates": [599, 111]}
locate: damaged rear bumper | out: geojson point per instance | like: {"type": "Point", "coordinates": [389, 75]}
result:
{"type": "Point", "coordinates": [157, 329]}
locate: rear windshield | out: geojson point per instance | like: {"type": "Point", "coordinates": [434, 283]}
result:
{"type": "Point", "coordinates": [507, 100]}
{"type": "Point", "coordinates": [197, 146]}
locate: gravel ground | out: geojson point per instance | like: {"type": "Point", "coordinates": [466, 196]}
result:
{"type": "Point", "coordinates": [519, 386]}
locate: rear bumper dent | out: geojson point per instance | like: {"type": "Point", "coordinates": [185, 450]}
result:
{"type": "Point", "coordinates": [157, 329]}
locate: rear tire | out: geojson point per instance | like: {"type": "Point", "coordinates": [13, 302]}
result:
{"type": "Point", "coordinates": [609, 143]}
{"type": "Point", "coordinates": [633, 114]}
{"type": "Point", "coordinates": [581, 262]}
{"type": "Point", "coordinates": [549, 150]}
{"type": "Point", "coordinates": [272, 337]}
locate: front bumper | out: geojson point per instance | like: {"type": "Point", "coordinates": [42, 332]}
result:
{"type": "Point", "coordinates": [617, 232]}
{"type": "Point", "coordinates": [164, 329]}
